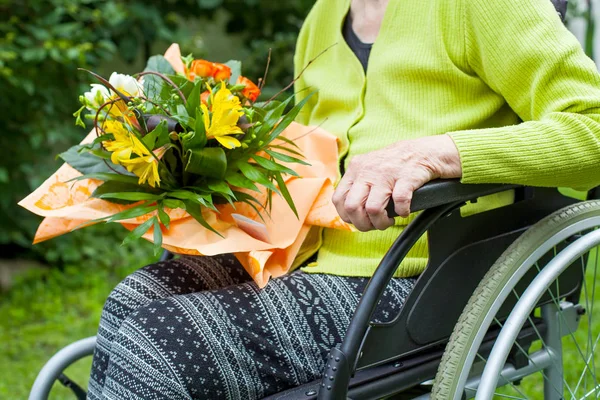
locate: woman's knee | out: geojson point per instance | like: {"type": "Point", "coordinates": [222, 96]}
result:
{"type": "Point", "coordinates": [138, 364]}
{"type": "Point", "coordinates": [136, 290]}
{"type": "Point", "coordinates": [166, 344]}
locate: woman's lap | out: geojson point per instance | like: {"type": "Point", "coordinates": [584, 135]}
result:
{"type": "Point", "coordinates": [165, 334]}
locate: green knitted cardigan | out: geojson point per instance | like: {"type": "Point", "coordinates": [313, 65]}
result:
{"type": "Point", "coordinates": [470, 68]}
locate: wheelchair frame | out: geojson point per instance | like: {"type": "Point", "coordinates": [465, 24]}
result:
{"type": "Point", "coordinates": [402, 354]}
{"type": "Point", "coordinates": [391, 357]}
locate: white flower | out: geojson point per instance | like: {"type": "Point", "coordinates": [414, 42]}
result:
{"type": "Point", "coordinates": [126, 84]}
{"type": "Point", "coordinates": [97, 96]}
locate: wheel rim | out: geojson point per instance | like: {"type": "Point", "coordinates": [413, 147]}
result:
{"type": "Point", "coordinates": [558, 327]}
{"type": "Point", "coordinates": [588, 293]}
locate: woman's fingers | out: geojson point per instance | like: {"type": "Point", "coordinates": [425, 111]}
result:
{"type": "Point", "coordinates": [402, 196]}
{"type": "Point", "coordinates": [339, 196]}
{"type": "Point", "coordinates": [354, 206]}
{"type": "Point", "coordinates": [379, 197]}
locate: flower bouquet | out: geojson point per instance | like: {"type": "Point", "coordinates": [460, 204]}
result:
{"type": "Point", "coordinates": [183, 155]}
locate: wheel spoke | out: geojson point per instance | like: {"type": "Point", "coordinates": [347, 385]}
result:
{"type": "Point", "coordinates": [572, 335]}
{"type": "Point", "coordinates": [591, 356]}
{"type": "Point", "coordinates": [544, 346]}
{"type": "Point", "coordinates": [587, 307]}
{"type": "Point", "coordinates": [591, 392]}
{"type": "Point", "coordinates": [501, 394]}
{"type": "Point", "coordinates": [507, 396]}
{"type": "Point", "coordinates": [509, 382]}
{"type": "Point", "coordinates": [591, 309]}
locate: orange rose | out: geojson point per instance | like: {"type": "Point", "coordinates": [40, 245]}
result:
{"type": "Point", "coordinates": [251, 91]}
{"type": "Point", "coordinates": [222, 72]}
{"type": "Point", "coordinates": [201, 68]}
{"type": "Point", "coordinates": [204, 97]}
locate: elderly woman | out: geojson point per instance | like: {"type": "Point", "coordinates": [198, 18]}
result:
{"type": "Point", "coordinates": [415, 90]}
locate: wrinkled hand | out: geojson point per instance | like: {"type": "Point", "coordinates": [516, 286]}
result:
{"type": "Point", "coordinates": [393, 172]}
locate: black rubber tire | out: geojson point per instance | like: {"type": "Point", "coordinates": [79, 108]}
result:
{"type": "Point", "coordinates": [446, 380]}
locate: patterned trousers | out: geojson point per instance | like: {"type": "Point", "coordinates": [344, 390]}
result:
{"type": "Point", "coordinates": [198, 328]}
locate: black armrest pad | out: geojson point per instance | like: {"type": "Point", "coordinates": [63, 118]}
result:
{"type": "Point", "coordinates": [444, 191]}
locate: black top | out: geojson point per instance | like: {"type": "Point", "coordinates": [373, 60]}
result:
{"type": "Point", "coordinates": [360, 49]}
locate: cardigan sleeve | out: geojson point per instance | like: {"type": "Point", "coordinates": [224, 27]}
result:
{"type": "Point", "coordinates": [524, 53]}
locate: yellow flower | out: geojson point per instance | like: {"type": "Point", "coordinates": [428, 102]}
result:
{"type": "Point", "coordinates": [226, 111]}
{"type": "Point", "coordinates": [125, 143]}
{"type": "Point", "coordinates": [146, 168]}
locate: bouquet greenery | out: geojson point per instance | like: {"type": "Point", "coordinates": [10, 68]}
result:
{"type": "Point", "coordinates": [188, 140]}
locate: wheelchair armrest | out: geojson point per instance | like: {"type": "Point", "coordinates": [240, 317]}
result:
{"type": "Point", "coordinates": [445, 191]}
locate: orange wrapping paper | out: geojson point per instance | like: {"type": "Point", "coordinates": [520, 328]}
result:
{"type": "Point", "coordinates": [67, 206]}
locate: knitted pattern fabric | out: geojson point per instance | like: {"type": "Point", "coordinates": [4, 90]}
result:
{"type": "Point", "coordinates": [471, 68]}
{"type": "Point", "coordinates": [196, 328]}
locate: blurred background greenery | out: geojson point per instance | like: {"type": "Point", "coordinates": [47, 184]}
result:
{"type": "Point", "coordinates": [52, 293]}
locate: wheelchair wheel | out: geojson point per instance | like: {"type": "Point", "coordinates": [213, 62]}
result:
{"type": "Point", "coordinates": [547, 347]}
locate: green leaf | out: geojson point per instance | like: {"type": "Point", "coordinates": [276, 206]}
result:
{"type": "Point", "coordinates": [158, 237]}
{"type": "Point", "coordinates": [236, 70]}
{"type": "Point", "coordinates": [139, 231]}
{"type": "Point", "coordinates": [183, 117]}
{"type": "Point", "coordinates": [238, 180]}
{"type": "Point", "coordinates": [220, 187]}
{"type": "Point", "coordinates": [287, 149]}
{"type": "Point", "coordinates": [271, 118]}
{"type": "Point", "coordinates": [95, 142]}
{"type": "Point", "coordinates": [285, 157]}
{"type": "Point", "coordinates": [196, 212]}
{"type": "Point", "coordinates": [173, 204]}
{"type": "Point", "coordinates": [154, 87]}
{"type": "Point", "coordinates": [255, 175]}
{"type": "Point", "coordinates": [285, 193]}
{"type": "Point", "coordinates": [87, 163]}
{"type": "Point", "coordinates": [183, 83]}
{"type": "Point", "coordinates": [248, 199]}
{"type": "Point", "coordinates": [158, 64]}
{"type": "Point", "coordinates": [203, 199]}
{"type": "Point", "coordinates": [116, 190]}
{"type": "Point", "coordinates": [193, 100]}
{"type": "Point", "coordinates": [132, 212]}
{"type": "Point", "coordinates": [274, 114]}
{"type": "Point", "coordinates": [103, 154]}
{"type": "Point", "coordinates": [185, 120]}
{"type": "Point", "coordinates": [158, 137]}
{"type": "Point", "coordinates": [271, 165]}
{"type": "Point", "coordinates": [200, 128]}
{"type": "Point", "coordinates": [236, 88]}
{"type": "Point", "coordinates": [164, 217]}
{"type": "Point", "coordinates": [263, 107]}
{"type": "Point", "coordinates": [288, 118]}
{"type": "Point", "coordinates": [209, 161]}
{"type": "Point", "coordinates": [196, 139]}
{"type": "Point", "coordinates": [132, 196]}
{"type": "Point", "coordinates": [77, 115]}
{"type": "Point", "coordinates": [106, 176]}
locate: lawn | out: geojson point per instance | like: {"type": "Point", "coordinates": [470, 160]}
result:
{"type": "Point", "coordinates": [46, 310]}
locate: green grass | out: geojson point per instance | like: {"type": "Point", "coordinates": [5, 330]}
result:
{"type": "Point", "coordinates": [47, 310]}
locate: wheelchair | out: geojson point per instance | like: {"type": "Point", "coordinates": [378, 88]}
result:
{"type": "Point", "coordinates": [501, 293]}
{"type": "Point", "coordinates": [505, 294]}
